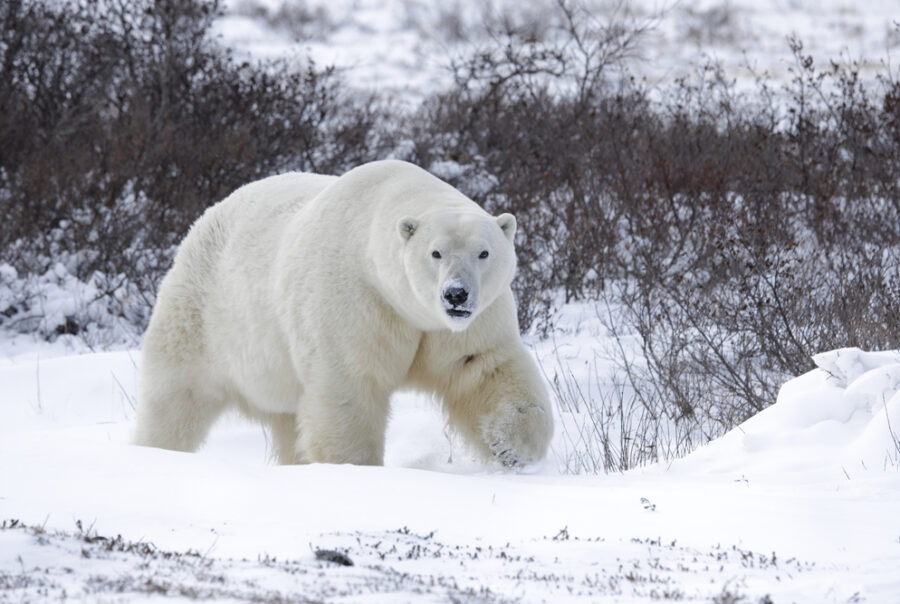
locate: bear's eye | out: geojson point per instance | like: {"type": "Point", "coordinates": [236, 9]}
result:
{"type": "Point", "coordinates": [435, 254]}
{"type": "Point", "coordinates": [483, 254]}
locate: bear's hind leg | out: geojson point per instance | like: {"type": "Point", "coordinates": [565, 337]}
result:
{"type": "Point", "coordinates": [172, 415]}
{"type": "Point", "coordinates": [343, 424]}
{"type": "Point", "coordinates": [283, 431]}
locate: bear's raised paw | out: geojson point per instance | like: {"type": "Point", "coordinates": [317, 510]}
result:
{"type": "Point", "coordinates": [518, 434]}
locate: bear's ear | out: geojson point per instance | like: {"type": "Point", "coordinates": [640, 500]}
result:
{"type": "Point", "coordinates": [406, 227]}
{"type": "Point", "coordinates": [507, 224]}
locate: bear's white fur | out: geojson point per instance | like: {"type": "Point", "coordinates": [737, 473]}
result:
{"type": "Point", "coordinates": [306, 300]}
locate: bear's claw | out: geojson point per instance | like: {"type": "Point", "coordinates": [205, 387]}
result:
{"type": "Point", "coordinates": [506, 456]}
{"type": "Point", "coordinates": [517, 433]}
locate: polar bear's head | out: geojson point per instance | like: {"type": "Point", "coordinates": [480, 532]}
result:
{"type": "Point", "coordinates": [457, 262]}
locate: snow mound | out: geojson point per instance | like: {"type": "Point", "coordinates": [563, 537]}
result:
{"type": "Point", "coordinates": [843, 416]}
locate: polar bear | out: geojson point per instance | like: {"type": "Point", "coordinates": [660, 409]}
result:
{"type": "Point", "coordinates": [306, 300]}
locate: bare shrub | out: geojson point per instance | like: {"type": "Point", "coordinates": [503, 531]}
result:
{"type": "Point", "coordinates": [524, 120]}
{"type": "Point", "coordinates": [605, 426]}
{"type": "Point", "coordinates": [120, 122]}
{"type": "Point", "coordinates": [736, 234]}
{"type": "Point", "coordinates": [718, 23]}
{"type": "Point", "coordinates": [296, 17]}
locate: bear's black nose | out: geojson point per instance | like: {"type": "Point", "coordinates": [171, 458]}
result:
{"type": "Point", "coordinates": [456, 295]}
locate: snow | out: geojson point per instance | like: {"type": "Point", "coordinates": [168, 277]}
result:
{"type": "Point", "coordinates": [54, 306]}
{"type": "Point", "coordinates": [405, 46]}
{"type": "Point", "coordinates": [798, 503]}
{"type": "Point", "coordinates": [843, 417]}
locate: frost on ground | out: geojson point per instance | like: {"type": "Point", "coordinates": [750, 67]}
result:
{"type": "Point", "coordinates": [797, 504]}
{"type": "Point", "coordinates": [395, 565]}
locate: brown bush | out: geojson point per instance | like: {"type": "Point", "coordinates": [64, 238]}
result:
{"type": "Point", "coordinates": [119, 124]}
{"type": "Point", "coordinates": [736, 234]}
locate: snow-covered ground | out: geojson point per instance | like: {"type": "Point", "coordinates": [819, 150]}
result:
{"type": "Point", "coordinates": [406, 46]}
{"type": "Point", "coordinates": [797, 504]}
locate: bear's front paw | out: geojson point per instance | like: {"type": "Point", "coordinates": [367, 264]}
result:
{"type": "Point", "coordinates": [518, 434]}
{"type": "Point", "coordinates": [502, 451]}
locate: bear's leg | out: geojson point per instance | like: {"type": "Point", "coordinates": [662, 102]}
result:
{"type": "Point", "coordinates": [507, 413]}
{"type": "Point", "coordinates": [283, 429]}
{"type": "Point", "coordinates": [343, 423]}
{"type": "Point", "coordinates": [172, 415]}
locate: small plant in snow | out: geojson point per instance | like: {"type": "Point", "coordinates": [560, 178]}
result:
{"type": "Point", "coordinates": [650, 507]}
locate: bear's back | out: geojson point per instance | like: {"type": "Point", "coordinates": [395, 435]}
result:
{"type": "Point", "coordinates": [244, 225]}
